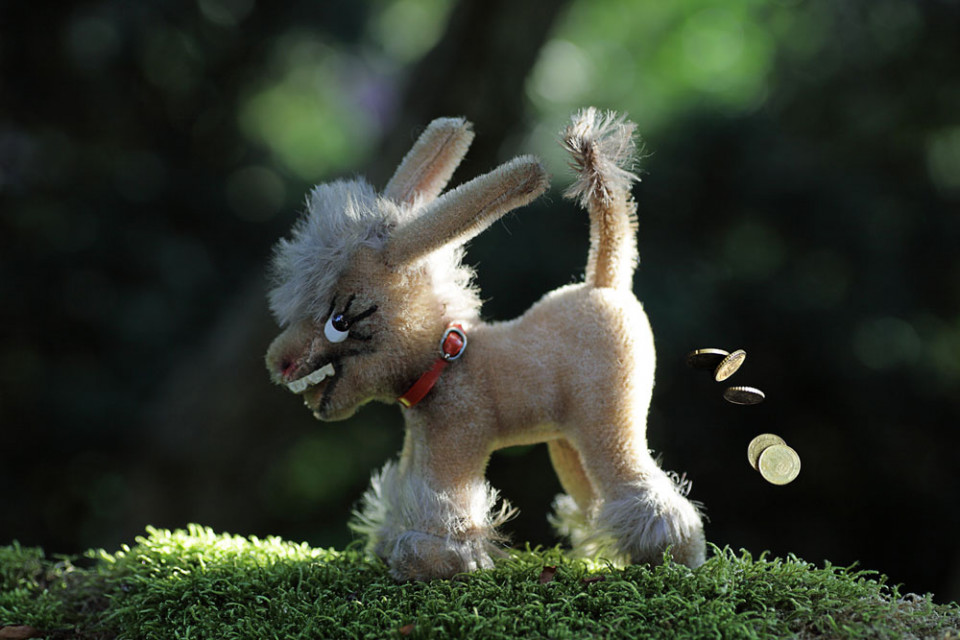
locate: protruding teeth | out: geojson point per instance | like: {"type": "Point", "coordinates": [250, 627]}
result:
{"type": "Point", "coordinates": [301, 385]}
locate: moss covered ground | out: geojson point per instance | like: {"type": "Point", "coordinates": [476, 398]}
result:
{"type": "Point", "coordinates": [195, 583]}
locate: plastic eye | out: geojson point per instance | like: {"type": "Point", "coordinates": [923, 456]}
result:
{"type": "Point", "coordinates": [340, 323]}
{"type": "Point", "coordinates": [337, 328]}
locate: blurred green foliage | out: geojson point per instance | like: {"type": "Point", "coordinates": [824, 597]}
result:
{"type": "Point", "coordinates": [799, 200]}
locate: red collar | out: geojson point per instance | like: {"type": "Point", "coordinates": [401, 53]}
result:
{"type": "Point", "coordinates": [452, 345]}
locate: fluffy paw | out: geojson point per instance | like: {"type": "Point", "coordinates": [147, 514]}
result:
{"type": "Point", "coordinates": [423, 533]}
{"type": "Point", "coordinates": [421, 556]}
{"type": "Point", "coordinates": [691, 551]}
{"type": "Point", "coordinates": [644, 525]}
{"type": "Point", "coordinates": [639, 526]}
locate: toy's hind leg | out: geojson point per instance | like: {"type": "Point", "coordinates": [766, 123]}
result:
{"type": "Point", "coordinates": [572, 510]}
{"type": "Point", "coordinates": [573, 477]}
{"type": "Point", "coordinates": [641, 510]}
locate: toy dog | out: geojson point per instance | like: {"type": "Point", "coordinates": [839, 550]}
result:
{"type": "Point", "coordinates": [377, 305]}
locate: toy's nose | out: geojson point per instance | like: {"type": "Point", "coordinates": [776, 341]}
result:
{"type": "Point", "coordinates": [289, 351]}
{"type": "Point", "coordinates": [281, 365]}
{"type": "Point", "coordinates": [285, 368]}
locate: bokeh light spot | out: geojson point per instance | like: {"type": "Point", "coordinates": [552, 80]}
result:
{"type": "Point", "coordinates": [225, 13]}
{"type": "Point", "coordinates": [943, 160]}
{"type": "Point", "coordinates": [713, 42]}
{"type": "Point", "coordinates": [894, 24]}
{"type": "Point", "coordinates": [311, 117]}
{"type": "Point", "coordinates": [407, 29]}
{"type": "Point", "coordinates": [91, 42]}
{"type": "Point", "coordinates": [886, 342]}
{"type": "Point", "coordinates": [562, 73]}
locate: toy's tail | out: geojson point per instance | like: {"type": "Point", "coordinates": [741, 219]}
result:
{"type": "Point", "coordinates": [603, 151]}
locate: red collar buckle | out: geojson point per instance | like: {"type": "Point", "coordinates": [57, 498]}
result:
{"type": "Point", "coordinates": [452, 345]}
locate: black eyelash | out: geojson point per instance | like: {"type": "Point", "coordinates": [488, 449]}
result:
{"type": "Point", "coordinates": [351, 320]}
{"type": "Point", "coordinates": [346, 307]}
{"type": "Point", "coordinates": [363, 314]}
{"type": "Point", "coordinates": [357, 318]}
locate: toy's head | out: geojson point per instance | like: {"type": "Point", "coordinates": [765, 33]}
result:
{"type": "Point", "coordinates": [366, 284]}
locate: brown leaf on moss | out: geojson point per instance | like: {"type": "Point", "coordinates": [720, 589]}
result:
{"type": "Point", "coordinates": [547, 574]}
{"type": "Point", "coordinates": [407, 629]}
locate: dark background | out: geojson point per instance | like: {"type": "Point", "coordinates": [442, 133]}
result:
{"type": "Point", "coordinates": [799, 201]}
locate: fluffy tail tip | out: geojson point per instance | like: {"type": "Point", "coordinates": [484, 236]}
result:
{"type": "Point", "coordinates": [603, 152]}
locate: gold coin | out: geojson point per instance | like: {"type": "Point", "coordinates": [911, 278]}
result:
{"type": "Point", "coordinates": [706, 358]}
{"type": "Point", "coordinates": [758, 444]}
{"type": "Point", "coordinates": [743, 395]}
{"type": "Point", "coordinates": [779, 464]}
{"type": "Point", "coordinates": [729, 365]}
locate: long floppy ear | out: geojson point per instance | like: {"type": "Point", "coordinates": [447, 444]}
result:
{"type": "Point", "coordinates": [460, 214]}
{"type": "Point", "coordinates": [427, 167]}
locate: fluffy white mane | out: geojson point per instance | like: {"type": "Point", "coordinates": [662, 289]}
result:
{"type": "Point", "coordinates": [341, 217]}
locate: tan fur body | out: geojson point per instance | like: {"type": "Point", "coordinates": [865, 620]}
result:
{"type": "Point", "coordinates": [575, 371]}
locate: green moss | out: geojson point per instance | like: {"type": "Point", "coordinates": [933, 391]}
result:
{"type": "Point", "coordinates": [30, 588]}
{"type": "Point", "coordinates": [198, 584]}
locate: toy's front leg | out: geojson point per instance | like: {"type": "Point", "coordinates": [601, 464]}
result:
{"type": "Point", "coordinates": [432, 514]}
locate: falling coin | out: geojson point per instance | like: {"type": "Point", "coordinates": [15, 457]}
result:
{"type": "Point", "coordinates": [743, 395]}
{"type": "Point", "coordinates": [758, 444]}
{"type": "Point", "coordinates": [729, 365]}
{"type": "Point", "coordinates": [706, 358]}
{"type": "Point", "coordinates": [779, 464]}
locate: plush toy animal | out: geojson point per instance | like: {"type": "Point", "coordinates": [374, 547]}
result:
{"type": "Point", "coordinates": [377, 305]}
